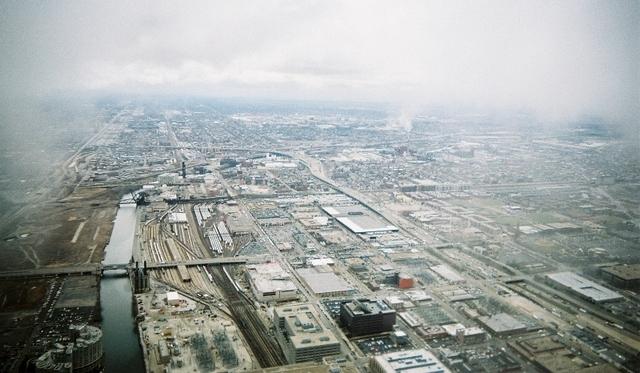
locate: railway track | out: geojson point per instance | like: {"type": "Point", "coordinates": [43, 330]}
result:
{"type": "Point", "coordinates": [265, 349]}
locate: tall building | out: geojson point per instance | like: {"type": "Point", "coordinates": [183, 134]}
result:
{"type": "Point", "coordinates": [301, 336]}
{"type": "Point", "coordinates": [140, 279]}
{"type": "Point", "coordinates": [363, 317]}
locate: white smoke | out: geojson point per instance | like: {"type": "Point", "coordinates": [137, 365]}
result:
{"type": "Point", "coordinates": [404, 119]}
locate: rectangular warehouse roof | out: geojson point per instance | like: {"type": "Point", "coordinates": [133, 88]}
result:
{"type": "Point", "coordinates": [625, 272]}
{"type": "Point", "coordinates": [359, 219]}
{"type": "Point", "coordinates": [502, 323]}
{"type": "Point", "coordinates": [270, 277]}
{"type": "Point", "coordinates": [585, 288]}
{"type": "Point", "coordinates": [411, 361]}
{"type": "Point", "coordinates": [447, 273]}
{"type": "Point", "coordinates": [324, 283]}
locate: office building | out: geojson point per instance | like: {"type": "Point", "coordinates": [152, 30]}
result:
{"type": "Point", "coordinates": [364, 317]}
{"type": "Point", "coordinates": [301, 335]}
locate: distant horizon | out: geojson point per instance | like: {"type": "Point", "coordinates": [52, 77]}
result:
{"type": "Point", "coordinates": [561, 61]}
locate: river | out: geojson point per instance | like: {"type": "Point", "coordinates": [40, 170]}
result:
{"type": "Point", "coordinates": [120, 341]}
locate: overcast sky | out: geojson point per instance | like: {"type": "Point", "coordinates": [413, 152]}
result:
{"type": "Point", "coordinates": [562, 59]}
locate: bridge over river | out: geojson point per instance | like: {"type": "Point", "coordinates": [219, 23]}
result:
{"type": "Point", "coordinates": [96, 268]}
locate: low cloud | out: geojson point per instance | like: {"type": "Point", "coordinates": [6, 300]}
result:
{"type": "Point", "coordinates": [562, 60]}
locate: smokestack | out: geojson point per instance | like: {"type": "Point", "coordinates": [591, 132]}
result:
{"type": "Point", "coordinates": [184, 170]}
{"type": "Point", "coordinates": [145, 267]}
{"type": "Point", "coordinates": [136, 264]}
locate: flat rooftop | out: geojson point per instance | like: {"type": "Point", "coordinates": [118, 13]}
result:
{"type": "Point", "coordinates": [365, 306]}
{"type": "Point", "coordinates": [359, 219]}
{"type": "Point", "coordinates": [586, 288]}
{"type": "Point", "coordinates": [265, 285]}
{"type": "Point", "coordinates": [270, 277]}
{"type": "Point", "coordinates": [502, 323]}
{"type": "Point", "coordinates": [447, 273]}
{"type": "Point", "coordinates": [625, 272]}
{"type": "Point", "coordinates": [412, 361]}
{"type": "Point", "coordinates": [324, 282]}
{"type": "Point", "coordinates": [304, 329]}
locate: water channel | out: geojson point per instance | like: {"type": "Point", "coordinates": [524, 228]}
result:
{"type": "Point", "coordinates": [120, 341]}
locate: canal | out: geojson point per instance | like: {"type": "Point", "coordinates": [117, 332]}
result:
{"type": "Point", "coordinates": [120, 340]}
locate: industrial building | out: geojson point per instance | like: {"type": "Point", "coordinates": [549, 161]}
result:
{"type": "Point", "coordinates": [82, 353]}
{"type": "Point", "coordinates": [301, 335]}
{"type": "Point", "coordinates": [404, 281]}
{"type": "Point", "coordinates": [174, 299]}
{"type": "Point", "coordinates": [364, 317]}
{"type": "Point", "coordinates": [358, 219]}
{"type": "Point", "coordinates": [582, 287]}
{"type": "Point", "coordinates": [177, 218]}
{"type": "Point", "coordinates": [624, 276]}
{"type": "Point", "coordinates": [324, 283]}
{"type": "Point", "coordinates": [502, 324]}
{"type": "Point", "coordinates": [270, 283]}
{"type": "Point", "coordinates": [411, 361]}
{"type": "Point", "coordinates": [447, 273]}
{"type": "Point", "coordinates": [465, 334]}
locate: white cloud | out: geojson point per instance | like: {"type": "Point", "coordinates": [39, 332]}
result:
{"type": "Point", "coordinates": [560, 58]}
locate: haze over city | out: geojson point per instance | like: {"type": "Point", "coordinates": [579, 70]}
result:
{"type": "Point", "coordinates": [320, 186]}
{"type": "Point", "coordinates": [561, 60]}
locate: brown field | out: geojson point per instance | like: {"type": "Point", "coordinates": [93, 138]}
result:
{"type": "Point", "coordinates": [51, 226]}
{"type": "Point", "coordinates": [21, 295]}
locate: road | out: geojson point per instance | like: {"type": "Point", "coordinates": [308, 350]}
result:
{"type": "Point", "coordinates": [596, 318]}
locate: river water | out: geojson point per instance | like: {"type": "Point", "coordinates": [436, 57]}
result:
{"type": "Point", "coordinates": [120, 341]}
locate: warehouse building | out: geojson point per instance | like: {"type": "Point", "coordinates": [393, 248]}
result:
{"type": "Point", "coordinates": [270, 283]}
{"type": "Point", "coordinates": [325, 283]}
{"type": "Point", "coordinates": [359, 220]}
{"type": "Point", "coordinates": [301, 335]}
{"type": "Point", "coordinates": [502, 324]}
{"type": "Point", "coordinates": [447, 273]}
{"type": "Point", "coordinates": [463, 334]}
{"type": "Point", "coordinates": [174, 299]}
{"type": "Point", "coordinates": [582, 287]}
{"type": "Point", "coordinates": [364, 317]}
{"type": "Point", "coordinates": [624, 276]}
{"type": "Point", "coordinates": [411, 361]}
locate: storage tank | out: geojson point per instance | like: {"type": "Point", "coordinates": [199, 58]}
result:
{"type": "Point", "coordinates": [83, 353]}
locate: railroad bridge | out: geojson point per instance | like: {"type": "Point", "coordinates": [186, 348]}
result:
{"type": "Point", "coordinates": [100, 269]}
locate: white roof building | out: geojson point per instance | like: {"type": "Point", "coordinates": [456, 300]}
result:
{"type": "Point", "coordinates": [173, 298]}
{"type": "Point", "coordinates": [587, 289]}
{"type": "Point", "coordinates": [447, 273]}
{"type": "Point", "coordinates": [358, 219]}
{"type": "Point", "coordinates": [411, 361]}
{"type": "Point", "coordinates": [270, 282]}
{"type": "Point", "coordinates": [325, 284]}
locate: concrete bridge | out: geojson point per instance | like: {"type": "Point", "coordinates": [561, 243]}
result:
{"type": "Point", "coordinates": [208, 261]}
{"type": "Point", "coordinates": [99, 269]}
{"type": "Point", "coordinates": [85, 269]}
